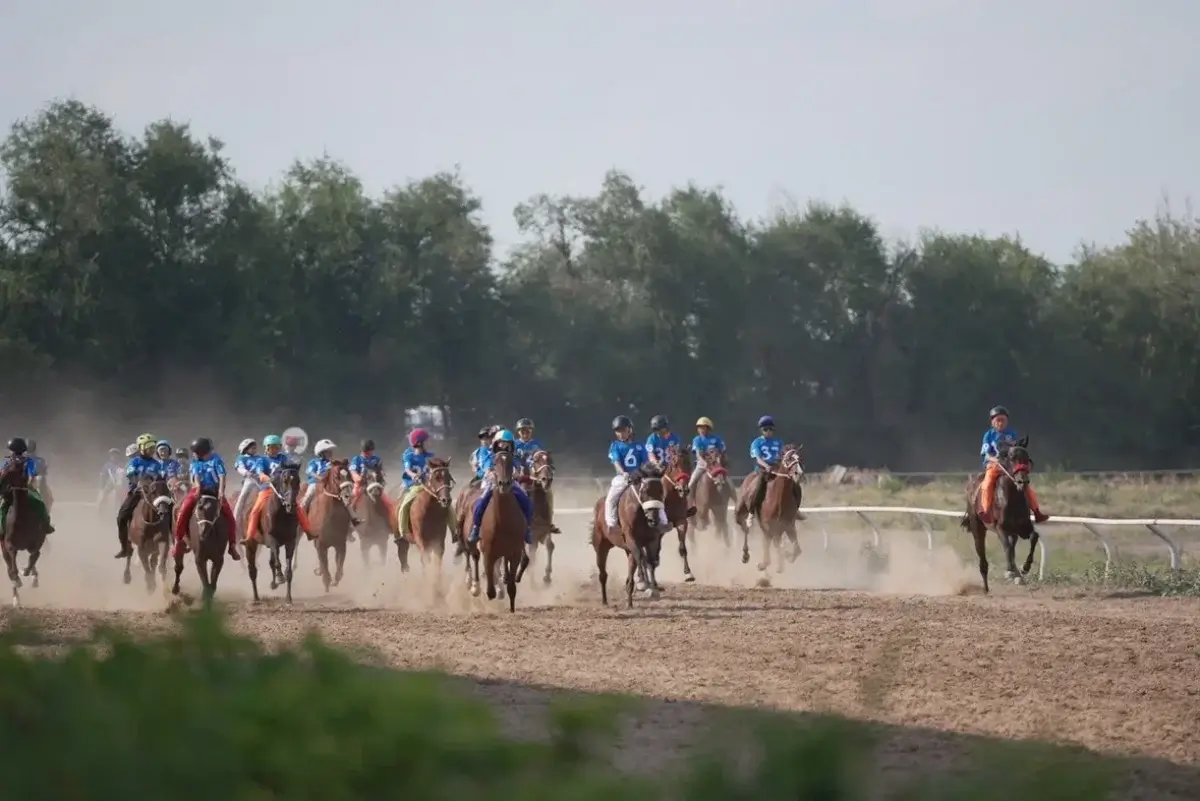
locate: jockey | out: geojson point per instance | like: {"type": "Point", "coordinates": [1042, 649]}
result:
{"type": "Point", "coordinates": [17, 447]}
{"type": "Point", "coordinates": [170, 464]}
{"type": "Point", "coordinates": [415, 459]}
{"type": "Point", "coordinates": [142, 464]}
{"type": "Point", "coordinates": [661, 437]}
{"type": "Point", "coordinates": [271, 461]}
{"type": "Point", "coordinates": [317, 467]}
{"type": "Point", "coordinates": [110, 474]}
{"type": "Point", "coordinates": [485, 437]}
{"type": "Point", "coordinates": [525, 445]}
{"type": "Point", "coordinates": [703, 440]}
{"type": "Point", "coordinates": [504, 441]}
{"type": "Point", "coordinates": [360, 464]}
{"type": "Point", "coordinates": [997, 435]}
{"type": "Point", "coordinates": [39, 464]}
{"type": "Point", "coordinates": [766, 451]}
{"type": "Point", "coordinates": [181, 456]}
{"type": "Point", "coordinates": [246, 465]}
{"type": "Point", "coordinates": [208, 475]}
{"type": "Point", "coordinates": [627, 457]}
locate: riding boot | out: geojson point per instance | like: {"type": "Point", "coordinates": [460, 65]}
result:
{"type": "Point", "coordinates": [554, 529]}
{"type": "Point", "coordinates": [473, 537]}
{"type": "Point", "coordinates": [123, 535]}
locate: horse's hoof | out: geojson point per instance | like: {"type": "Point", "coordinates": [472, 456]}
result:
{"type": "Point", "coordinates": [35, 583]}
{"type": "Point", "coordinates": [1010, 574]}
{"type": "Point", "coordinates": [650, 592]}
{"type": "Point", "coordinates": [175, 590]}
{"type": "Point", "coordinates": [474, 591]}
{"type": "Point", "coordinates": [127, 578]}
{"type": "Point", "coordinates": [764, 582]}
{"type": "Point", "coordinates": [745, 557]}
{"type": "Point", "coordinates": [546, 580]}
{"type": "Point", "coordinates": [1015, 580]}
{"type": "Point", "coordinates": [27, 571]}
{"type": "Point", "coordinates": [274, 585]}
{"type": "Point", "coordinates": [762, 565]}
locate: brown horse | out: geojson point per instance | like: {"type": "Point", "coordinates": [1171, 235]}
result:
{"type": "Point", "coordinates": [537, 484]}
{"type": "Point", "coordinates": [1010, 511]}
{"type": "Point", "coordinates": [208, 539]}
{"type": "Point", "coordinates": [373, 508]}
{"type": "Point", "coordinates": [276, 524]}
{"type": "Point", "coordinates": [331, 520]}
{"type": "Point", "coordinates": [150, 530]}
{"type": "Point", "coordinates": [23, 529]}
{"type": "Point", "coordinates": [429, 516]}
{"type": "Point", "coordinates": [676, 473]}
{"type": "Point", "coordinates": [641, 535]}
{"type": "Point", "coordinates": [501, 536]}
{"type": "Point", "coordinates": [780, 507]}
{"type": "Point", "coordinates": [713, 494]}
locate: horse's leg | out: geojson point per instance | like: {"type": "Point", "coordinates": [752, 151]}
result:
{"type": "Point", "coordinates": [473, 570]}
{"type": "Point", "coordinates": [10, 561]}
{"type": "Point", "coordinates": [510, 582]}
{"type": "Point", "coordinates": [127, 576]}
{"type": "Point", "coordinates": [683, 551]}
{"type": "Point", "coordinates": [323, 565]}
{"type": "Point", "coordinates": [339, 563]}
{"type": "Point", "coordinates": [765, 528]}
{"type": "Point", "coordinates": [745, 527]}
{"type": "Point", "coordinates": [178, 570]}
{"type": "Point", "coordinates": [1010, 557]}
{"type": "Point", "coordinates": [602, 567]}
{"type": "Point", "coordinates": [633, 568]}
{"type": "Point", "coordinates": [289, 554]}
{"type": "Point", "coordinates": [549, 559]}
{"type": "Point", "coordinates": [489, 569]}
{"type": "Point", "coordinates": [979, 535]}
{"type": "Point", "coordinates": [1033, 541]}
{"type": "Point", "coordinates": [273, 561]}
{"type": "Point", "coordinates": [251, 547]}
{"type": "Point", "coordinates": [143, 553]}
{"type": "Point", "coordinates": [364, 545]}
{"type": "Point", "coordinates": [216, 574]}
{"type": "Point", "coordinates": [795, 538]}
{"type": "Point", "coordinates": [402, 546]}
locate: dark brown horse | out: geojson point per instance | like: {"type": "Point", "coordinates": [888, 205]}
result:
{"type": "Point", "coordinates": [331, 520]}
{"type": "Point", "coordinates": [538, 485]}
{"type": "Point", "coordinates": [780, 507]}
{"type": "Point", "coordinates": [274, 523]}
{"type": "Point", "coordinates": [23, 529]}
{"type": "Point", "coordinates": [677, 470]}
{"type": "Point", "coordinates": [713, 493]}
{"type": "Point", "coordinates": [1010, 511]}
{"type": "Point", "coordinates": [641, 535]}
{"type": "Point", "coordinates": [429, 517]}
{"type": "Point", "coordinates": [374, 510]}
{"type": "Point", "coordinates": [501, 544]}
{"type": "Point", "coordinates": [150, 530]}
{"type": "Point", "coordinates": [208, 539]}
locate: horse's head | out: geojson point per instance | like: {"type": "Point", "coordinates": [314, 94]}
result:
{"type": "Point", "coordinates": [15, 475]}
{"type": "Point", "coordinates": [541, 469]}
{"type": "Point", "coordinates": [373, 479]}
{"type": "Point", "coordinates": [285, 482]}
{"type": "Point", "coordinates": [502, 467]}
{"type": "Point", "coordinates": [157, 496]}
{"type": "Point", "coordinates": [1019, 462]}
{"type": "Point", "coordinates": [715, 465]}
{"type": "Point", "coordinates": [651, 491]}
{"type": "Point", "coordinates": [678, 459]}
{"type": "Point", "coordinates": [337, 481]}
{"type": "Point", "coordinates": [791, 463]}
{"type": "Point", "coordinates": [438, 479]}
{"type": "Point", "coordinates": [208, 512]}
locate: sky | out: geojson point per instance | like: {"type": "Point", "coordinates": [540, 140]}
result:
{"type": "Point", "coordinates": [1063, 121]}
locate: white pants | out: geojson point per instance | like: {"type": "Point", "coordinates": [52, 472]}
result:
{"type": "Point", "coordinates": [245, 498]}
{"type": "Point", "coordinates": [309, 491]}
{"type": "Point", "coordinates": [612, 503]}
{"type": "Point", "coordinates": [699, 471]}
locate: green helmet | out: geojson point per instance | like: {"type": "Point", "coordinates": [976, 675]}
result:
{"type": "Point", "coordinates": [272, 439]}
{"type": "Point", "coordinates": [146, 441]}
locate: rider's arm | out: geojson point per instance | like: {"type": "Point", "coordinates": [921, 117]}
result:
{"type": "Point", "coordinates": [988, 450]}
{"type": "Point", "coordinates": [220, 468]}
{"type": "Point", "coordinates": [614, 457]}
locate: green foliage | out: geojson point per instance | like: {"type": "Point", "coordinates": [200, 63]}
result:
{"type": "Point", "coordinates": [1130, 576]}
{"type": "Point", "coordinates": [116, 251]}
{"type": "Point", "coordinates": [201, 714]}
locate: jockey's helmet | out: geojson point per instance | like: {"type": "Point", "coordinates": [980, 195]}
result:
{"type": "Point", "coordinates": [503, 435]}
{"type": "Point", "coordinates": [367, 445]}
{"type": "Point", "coordinates": [246, 444]}
{"type": "Point", "coordinates": [202, 446]}
{"type": "Point", "coordinates": [145, 440]}
{"type": "Point", "coordinates": [621, 421]}
{"type": "Point", "coordinates": [766, 421]}
{"type": "Point", "coordinates": [181, 453]}
{"type": "Point", "coordinates": [131, 451]}
{"type": "Point", "coordinates": [704, 421]}
{"type": "Point", "coordinates": [17, 446]}
{"type": "Point", "coordinates": [659, 422]}
{"type": "Point", "coordinates": [997, 411]}
{"type": "Point", "coordinates": [162, 443]}
{"type": "Point", "coordinates": [114, 451]}
{"type": "Point", "coordinates": [524, 422]}
{"type": "Point", "coordinates": [31, 443]}
{"type": "Point", "coordinates": [485, 433]}
{"type": "Point", "coordinates": [417, 436]}
{"type": "Point", "coordinates": [324, 446]}
{"type": "Point", "coordinates": [272, 439]}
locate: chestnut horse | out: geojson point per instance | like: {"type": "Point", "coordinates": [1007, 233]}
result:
{"type": "Point", "coordinates": [780, 507]}
{"type": "Point", "coordinates": [1010, 511]}
{"type": "Point", "coordinates": [537, 484]}
{"type": "Point", "coordinates": [331, 520]}
{"type": "Point", "coordinates": [150, 530]}
{"type": "Point", "coordinates": [274, 523]}
{"type": "Point", "coordinates": [641, 534]}
{"type": "Point", "coordinates": [23, 527]}
{"type": "Point", "coordinates": [378, 519]}
{"type": "Point", "coordinates": [713, 493]}
{"type": "Point", "coordinates": [429, 517]}
{"type": "Point", "coordinates": [677, 470]}
{"type": "Point", "coordinates": [501, 536]}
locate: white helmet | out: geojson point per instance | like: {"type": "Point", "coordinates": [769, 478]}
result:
{"type": "Point", "coordinates": [131, 451]}
{"type": "Point", "coordinates": [246, 443]}
{"type": "Point", "coordinates": [323, 446]}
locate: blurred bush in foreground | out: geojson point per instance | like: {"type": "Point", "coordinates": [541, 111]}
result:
{"type": "Point", "coordinates": [201, 714]}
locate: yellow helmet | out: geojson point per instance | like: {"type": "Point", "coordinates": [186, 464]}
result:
{"type": "Point", "coordinates": [704, 421]}
{"type": "Point", "coordinates": [144, 440]}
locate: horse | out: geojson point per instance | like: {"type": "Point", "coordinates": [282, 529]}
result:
{"type": "Point", "coordinates": [331, 520]}
{"type": "Point", "coordinates": [24, 529]}
{"type": "Point", "coordinates": [208, 540]}
{"type": "Point", "coordinates": [677, 472]}
{"type": "Point", "coordinates": [537, 484]}
{"type": "Point", "coordinates": [1010, 512]}
{"type": "Point", "coordinates": [641, 535]}
{"type": "Point", "coordinates": [274, 523]}
{"type": "Point", "coordinates": [429, 516]}
{"type": "Point", "coordinates": [150, 530]}
{"type": "Point", "coordinates": [780, 507]}
{"type": "Point", "coordinates": [373, 509]}
{"type": "Point", "coordinates": [501, 536]}
{"type": "Point", "coordinates": [713, 494]}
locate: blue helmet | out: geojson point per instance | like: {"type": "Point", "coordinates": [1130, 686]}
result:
{"type": "Point", "coordinates": [766, 421]}
{"type": "Point", "coordinates": [504, 435]}
{"type": "Point", "coordinates": [162, 443]}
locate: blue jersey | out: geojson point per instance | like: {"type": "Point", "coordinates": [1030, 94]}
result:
{"type": "Point", "coordinates": [170, 467]}
{"type": "Point", "coordinates": [208, 472]}
{"type": "Point", "coordinates": [658, 445]}
{"type": "Point", "coordinates": [39, 465]}
{"type": "Point", "coordinates": [140, 466]}
{"type": "Point", "coordinates": [993, 439]}
{"type": "Point", "coordinates": [267, 465]}
{"type": "Point", "coordinates": [30, 466]}
{"type": "Point", "coordinates": [477, 459]}
{"type": "Point", "coordinates": [525, 450]}
{"type": "Point", "coordinates": [317, 467]}
{"type": "Point", "coordinates": [246, 465]}
{"type": "Point", "coordinates": [769, 449]}
{"type": "Point", "coordinates": [700, 444]}
{"type": "Point", "coordinates": [360, 464]}
{"type": "Point", "coordinates": [628, 455]}
{"type": "Point", "coordinates": [414, 461]}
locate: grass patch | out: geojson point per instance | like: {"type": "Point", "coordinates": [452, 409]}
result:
{"type": "Point", "coordinates": [1139, 577]}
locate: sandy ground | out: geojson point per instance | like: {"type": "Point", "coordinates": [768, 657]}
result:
{"type": "Point", "coordinates": [915, 648]}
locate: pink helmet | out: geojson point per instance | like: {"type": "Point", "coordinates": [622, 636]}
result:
{"type": "Point", "coordinates": [418, 436]}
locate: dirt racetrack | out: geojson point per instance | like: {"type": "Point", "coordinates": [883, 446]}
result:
{"type": "Point", "coordinates": [1119, 676]}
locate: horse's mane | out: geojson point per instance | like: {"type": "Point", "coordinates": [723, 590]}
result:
{"type": "Point", "coordinates": [437, 461]}
{"type": "Point", "coordinates": [339, 462]}
{"type": "Point", "coordinates": [798, 447]}
{"type": "Point", "coordinates": [650, 470]}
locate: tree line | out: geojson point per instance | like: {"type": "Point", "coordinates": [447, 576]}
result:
{"type": "Point", "coordinates": [126, 257]}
